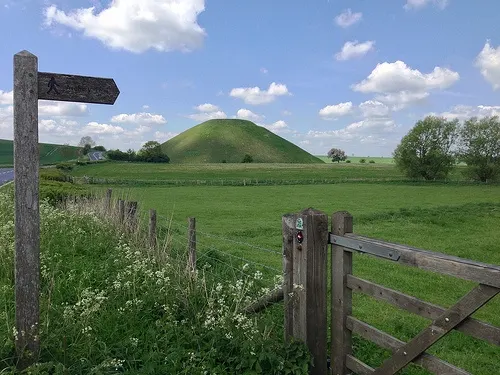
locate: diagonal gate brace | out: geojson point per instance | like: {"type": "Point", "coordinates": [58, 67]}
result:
{"type": "Point", "coordinates": [456, 314]}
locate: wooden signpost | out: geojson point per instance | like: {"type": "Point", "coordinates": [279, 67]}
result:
{"type": "Point", "coordinates": [29, 86]}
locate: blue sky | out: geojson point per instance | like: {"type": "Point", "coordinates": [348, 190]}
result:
{"type": "Point", "coordinates": [353, 74]}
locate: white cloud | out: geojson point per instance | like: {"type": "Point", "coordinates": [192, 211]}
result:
{"type": "Point", "coordinates": [59, 128]}
{"type": "Point", "coordinates": [348, 18]}
{"type": "Point", "coordinates": [286, 113]}
{"type": "Point", "coordinates": [137, 25]}
{"type": "Point", "coordinates": [51, 108]}
{"type": "Point", "coordinates": [418, 4]}
{"type": "Point", "coordinates": [6, 97]}
{"type": "Point", "coordinates": [264, 70]}
{"type": "Point", "coordinates": [145, 106]}
{"type": "Point", "coordinates": [96, 128]}
{"type": "Point", "coordinates": [488, 63]}
{"type": "Point", "coordinates": [207, 112]}
{"type": "Point", "coordinates": [352, 50]}
{"type": "Point", "coordinates": [207, 107]}
{"type": "Point", "coordinates": [279, 126]}
{"type": "Point", "coordinates": [334, 111]}
{"type": "Point", "coordinates": [164, 136]}
{"type": "Point", "coordinates": [248, 115]}
{"type": "Point", "coordinates": [139, 118]}
{"type": "Point", "coordinates": [464, 112]}
{"type": "Point", "coordinates": [138, 132]}
{"type": "Point", "coordinates": [373, 108]}
{"type": "Point", "coordinates": [399, 85]}
{"type": "Point", "coordinates": [256, 96]}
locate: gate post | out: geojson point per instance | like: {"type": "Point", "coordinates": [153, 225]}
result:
{"type": "Point", "coordinates": [305, 289]}
{"type": "Point", "coordinates": [341, 307]}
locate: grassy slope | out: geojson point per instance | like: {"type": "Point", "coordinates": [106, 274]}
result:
{"type": "Point", "coordinates": [49, 153]}
{"type": "Point", "coordinates": [229, 139]}
{"type": "Point", "coordinates": [447, 219]}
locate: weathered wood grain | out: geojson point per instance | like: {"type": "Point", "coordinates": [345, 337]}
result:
{"type": "Point", "coordinates": [288, 222]}
{"type": "Point", "coordinates": [386, 341]}
{"type": "Point", "coordinates": [73, 88]}
{"type": "Point", "coordinates": [441, 263]}
{"type": "Point", "coordinates": [359, 368]}
{"type": "Point", "coordinates": [121, 211]}
{"type": "Point", "coordinates": [472, 301]}
{"type": "Point", "coordinates": [107, 202]}
{"type": "Point", "coordinates": [272, 297]}
{"type": "Point", "coordinates": [152, 228]}
{"type": "Point", "coordinates": [191, 244]}
{"type": "Point", "coordinates": [469, 326]}
{"type": "Point", "coordinates": [342, 223]}
{"type": "Point", "coordinates": [27, 211]}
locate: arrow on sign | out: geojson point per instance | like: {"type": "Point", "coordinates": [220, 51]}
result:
{"type": "Point", "coordinates": [71, 88]}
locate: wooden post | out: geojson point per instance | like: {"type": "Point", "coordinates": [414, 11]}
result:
{"type": "Point", "coordinates": [27, 215]}
{"type": "Point", "coordinates": [309, 256]}
{"type": "Point", "coordinates": [288, 224]}
{"type": "Point", "coordinates": [108, 200]}
{"type": "Point", "coordinates": [121, 211]}
{"type": "Point", "coordinates": [341, 296]}
{"type": "Point", "coordinates": [131, 211]}
{"type": "Point", "coordinates": [152, 228]}
{"type": "Point", "coordinates": [192, 244]}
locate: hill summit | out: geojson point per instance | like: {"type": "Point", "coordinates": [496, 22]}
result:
{"type": "Point", "coordinates": [215, 141]}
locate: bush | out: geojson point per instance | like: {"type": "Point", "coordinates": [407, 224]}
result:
{"type": "Point", "coordinates": [224, 161]}
{"type": "Point", "coordinates": [426, 151]}
{"type": "Point", "coordinates": [479, 148]}
{"type": "Point", "coordinates": [247, 159]}
{"type": "Point", "coordinates": [372, 161]}
{"type": "Point", "coordinates": [362, 161]}
{"type": "Point", "coordinates": [64, 166]}
{"type": "Point", "coordinates": [347, 161]}
{"type": "Point", "coordinates": [56, 191]}
{"type": "Point", "coordinates": [52, 174]}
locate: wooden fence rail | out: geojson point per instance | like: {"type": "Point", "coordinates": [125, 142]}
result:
{"type": "Point", "coordinates": [343, 324]}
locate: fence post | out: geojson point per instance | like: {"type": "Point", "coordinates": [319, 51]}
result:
{"type": "Point", "coordinates": [27, 211]}
{"type": "Point", "coordinates": [121, 211]}
{"type": "Point", "coordinates": [152, 228]}
{"type": "Point", "coordinates": [192, 244]}
{"type": "Point", "coordinates": [108, 200]}
{"type": "Point", "coordinates": [309, 279]}
{"type": "Point", "coordinates": [288, 225]}
{"type": "Point", "coordinates": [131, 210]}
{"type": "Point", "coordinates": [341, 296]}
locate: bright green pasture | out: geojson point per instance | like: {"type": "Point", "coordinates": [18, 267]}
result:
{"type": "Point", "coordinates": [458, 220]}
{"type": "Point", "coordinates": [356, 159]}
{"type": "Point", "coordinates": [151, 171]}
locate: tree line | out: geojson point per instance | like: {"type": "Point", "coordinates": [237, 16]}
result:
{"type": "Point", "coordinates": [151, 152]}
{"type": "Point", "coordinates": [435, 145]}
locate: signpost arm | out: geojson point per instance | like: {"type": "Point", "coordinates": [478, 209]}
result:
{"type": "Point", "coordinates": [27, 215]}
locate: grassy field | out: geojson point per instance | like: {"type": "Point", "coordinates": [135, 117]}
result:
{"type": "Point", "coordinates": [138, 171]}
{"type": "Point", "coordinates": [356, 159]}
{"type": "Point", "coordinates": [230, 139]}
{"type": "Point", "coordinates": [49, 153]}
{"type": "Point", "coordinates": [458, 220]}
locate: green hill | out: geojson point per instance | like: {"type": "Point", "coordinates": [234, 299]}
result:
{"type": "Point", "coordinates": [49, 153]}
{"type": "Point", "coordinates": [216, 140]}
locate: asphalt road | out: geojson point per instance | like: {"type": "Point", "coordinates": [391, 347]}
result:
{"type": "Point", "coordinates": [6, 175]}
{"type": "Point", "coordinates": [96, 155]}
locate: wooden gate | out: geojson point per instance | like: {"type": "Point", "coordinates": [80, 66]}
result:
{"type": "Point", "coordinates": [343, 324]}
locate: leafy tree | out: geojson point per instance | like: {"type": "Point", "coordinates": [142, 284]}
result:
{"type": "Point", "coordinates": [100, 148]}
{"type": "Point", "coordinates": [479, 147]}
{"type": "Point", "coordinates": [86, 149]}
{"type": "Point", "coordinates": [247, 159]}
{"type": "Point", "coordinates": [151, 152]}
{"type": "Point", "coordinates": [131, 155]}
{"type": "Point", "coordinates": [86, 141]}
{"type": "Point", "coordinates": [337, 155]}
{"type": "Point", "coordinates": [426, 151]}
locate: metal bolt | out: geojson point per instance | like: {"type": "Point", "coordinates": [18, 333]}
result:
{"type": "Point", "coordinates": [390, 254]}
{"type": "Point", "coordinates": [404, 353]}
{"type": "Point", "coordinates": [360, 246]}
{"type": "Point", "coordinates": [446, 319]}
{"type": "Point", "coordinates": [299, 247]}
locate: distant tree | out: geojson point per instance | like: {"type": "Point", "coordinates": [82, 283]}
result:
{"type": "Point", "coordinates": [131, 155]}
{"type": "Point", "coordinates": [247, 159]}
{"type": "Point", "coordinates": [118, 155]}
{"type": "Point", "coordinates": [337, 155]}
{"type": "Point", "coordinates": [86, 141]}
{"type": "Point", "coordinates": [100, 148]}
{"type": "Point", "coordinates": [427, 150]}
{"type": "Point", "coordinates": [152, 152]}
{"type": "Point", "coordinates": [86, 149]}
{"type": "Point", "coordinates": [479, 147]}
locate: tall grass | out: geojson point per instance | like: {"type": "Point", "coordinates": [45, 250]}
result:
{"type": "Point", "coordinates": [111, 304]}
